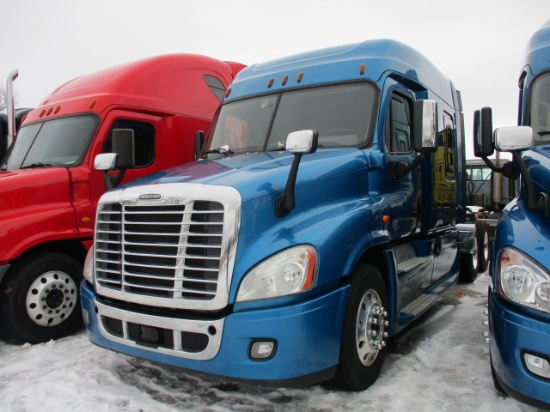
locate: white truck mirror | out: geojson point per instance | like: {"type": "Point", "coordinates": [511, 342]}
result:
{"type": "Point", "coordinates": [302, 141]}
{"type": "Point", "coordinates": [512, 138]}
{"type": "Point", "coordinates": [105, 161]}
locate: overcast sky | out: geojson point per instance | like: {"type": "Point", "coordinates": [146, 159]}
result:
{"type": "Point", "coordinates": [478, 44]}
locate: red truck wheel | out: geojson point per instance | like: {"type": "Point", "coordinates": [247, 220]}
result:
{"type": "Point", "coordinates": [364, 335]}
{"type": "Point", "coordinates": [40, 300]}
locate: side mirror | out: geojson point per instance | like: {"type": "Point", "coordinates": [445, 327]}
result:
{"type": "Point", "coordinates": [513, 138]}
{"type": "Point", "coordinates": [105, 161]}
{"type": "Point", "coordinates": [483, 132]}
{"type": "Point", "coordinates": [122, 158]}
{"type": "Point", "coordinates": [124, 147]}
{"type": "Point", "coordinates": [425, 126]}
{"type": "Point", "coordinates": [199, 143]}
{"type": "Point", "coordinates": [302, 141]}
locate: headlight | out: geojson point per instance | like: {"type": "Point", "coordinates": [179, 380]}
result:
{"type": "Point", "coordinates": [523, 281]}
{"type": "Point", "coordinates": [286, 273]}
{"type": "Point", "coordinates": [88, 272]}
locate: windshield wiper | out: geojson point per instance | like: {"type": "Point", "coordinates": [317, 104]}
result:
{"type": "Point", "coordinates": [281, 147]}
{"type": "Point", "coordinates": [543, 132]}
{"type": "Point", "coordinates": [37, 164]}
{"type": "Point", "coordinates": [224, 150]}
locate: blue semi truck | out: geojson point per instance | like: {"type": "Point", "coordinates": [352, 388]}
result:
{"type": "Point", "coordinates": [324, 214]}
{"type": "Point", "coordinates": [519, 294]}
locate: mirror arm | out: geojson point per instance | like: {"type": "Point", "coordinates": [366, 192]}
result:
{"type": "Point", "coordinates": [398, 169]}
{"type": "Point", "coordinates": [286, 202]}
{"type": "Point", "coordinates": [199, 143]}
{"type": "Point", "coordinates": [107, 178]}
{"type": "Point", "coordinates": [112, 181]}
{"type": "Point", "coordinates": [507, 169]}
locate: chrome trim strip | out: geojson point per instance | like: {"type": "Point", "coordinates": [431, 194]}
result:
{"type": "Point", "coordinates": [176, 325]}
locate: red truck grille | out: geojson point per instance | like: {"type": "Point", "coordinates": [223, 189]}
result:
{"type": "Point", "coordinates": [162, 251]}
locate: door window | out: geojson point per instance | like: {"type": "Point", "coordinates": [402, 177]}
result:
{"type": "Point", "coordinates": [144, 140]}
{"type": "Point", "coordinates": [398, 125]}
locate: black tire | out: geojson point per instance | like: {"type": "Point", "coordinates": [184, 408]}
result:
{"type": "Point", "coordinates": [468, 267]}
{"type": "Point", "coordinates": [40, 298]}
{"type": "Point", "coordinates": [362, 354]}
{"type": "Point", "coordinates": [483, 250]}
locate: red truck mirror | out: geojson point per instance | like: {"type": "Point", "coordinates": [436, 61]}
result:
{"type": "Point", "coordinates": [199, 143]}
{"type": "Point", "coordinates": [105, 161]}
{"type": "Point", "coordinates": [122, 158]}
{"type": "Point", "coordinates": [124, 147]}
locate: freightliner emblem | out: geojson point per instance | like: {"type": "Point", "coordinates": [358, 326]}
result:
{"type": "Point", "coordinates": [150, 197]}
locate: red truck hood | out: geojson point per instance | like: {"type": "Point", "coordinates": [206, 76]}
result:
{"type": "Point", "coordinates": [33, 188]}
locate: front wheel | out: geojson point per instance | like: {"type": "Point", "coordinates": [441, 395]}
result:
{"type": "Point", "coordinates": [40, 299]}
{"type": "Point", "coordinates": [364, 334]}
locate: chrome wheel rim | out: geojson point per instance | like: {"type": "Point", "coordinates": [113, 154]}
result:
{"type": "Point", "coordinates": [51, 298]}
{"type": "Point", "coordinates": [486, 246]}
{"type": "Point", "coordinates": [370, 327]}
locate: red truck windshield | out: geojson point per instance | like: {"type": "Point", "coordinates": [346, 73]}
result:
{"type": "Point", "coordinates": [60, 142]}
{"type": "Point", "coordinates": [342, 114]}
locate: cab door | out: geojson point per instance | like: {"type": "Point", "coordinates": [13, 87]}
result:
{"type": "Point", "coordinates": [87, 184]}
{"type": "Point", "coordinates": [444, 200]}
{"type": "Point", "coordinates": [402, 191]}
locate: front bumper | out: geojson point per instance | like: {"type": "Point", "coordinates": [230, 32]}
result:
{"type": "Point", "coordinates": [512, 335]}
{"type": "Point", "coordinates": [306, 336]}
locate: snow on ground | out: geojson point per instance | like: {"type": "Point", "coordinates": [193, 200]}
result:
{"type": "Point", "coordinates": [440, 364]}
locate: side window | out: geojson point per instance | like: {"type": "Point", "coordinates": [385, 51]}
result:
{"type": "Point", "coordinates": [144, 140]}
{"type": "Point", "coordinates": [444, 163]}
{"type": "Point", "coordinates": [448, 142]}
{"type": "Point", "coordinates": [477, 173]}
{"type": "Point", "coordinates": [215, 85]}
{"type": "Point", "coordinates": [398, 125]}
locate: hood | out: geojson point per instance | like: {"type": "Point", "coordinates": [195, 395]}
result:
{"type": "Point", "coordinates": [259, 174]}
{"type": "Point", "coordinates": [33, 187]}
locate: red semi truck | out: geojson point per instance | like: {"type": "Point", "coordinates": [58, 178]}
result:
{"type": "Point", "coordinates": [49, 187]}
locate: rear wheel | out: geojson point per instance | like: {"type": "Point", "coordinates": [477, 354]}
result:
{"type": "Point", "coordinates": [364, 334]}
{"type": "Point", "coordinates": [468, 267]}
{"type": "Point", "coordinates": [40, 299]}
{"type": "Point", "coordinates": [482, 240]}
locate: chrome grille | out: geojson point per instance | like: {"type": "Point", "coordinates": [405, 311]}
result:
{"type": "Point", "coordinates": [161, 250]}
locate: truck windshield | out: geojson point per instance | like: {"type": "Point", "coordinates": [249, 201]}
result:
{"type": "Point", "coordinates": [540, 109]}
{"type": "Point", "coordinates": [342, 114]}
{"type": "Point", "coordinates": [60, 142]}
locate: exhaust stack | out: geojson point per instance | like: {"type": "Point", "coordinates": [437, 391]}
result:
{"type": "Point", "coordinates": [11, 105]}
